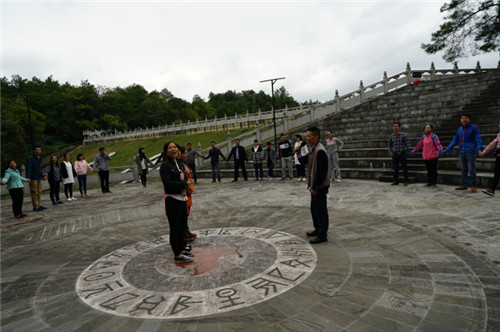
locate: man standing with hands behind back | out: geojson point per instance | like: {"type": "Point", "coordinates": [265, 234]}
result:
{"type": "Point", "coordinates": [101, 161]}
{"type": "Point", "coordinates": [318, 182]}
{"type": "Point", "coordinates": [34, 175]}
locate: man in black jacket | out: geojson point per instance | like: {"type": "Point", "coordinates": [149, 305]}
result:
{"type": "Point", "coordinates": [240, 157]}
{"type": "Point", "coordinates": [318, 181]}
{"type": "Point", "coordinates": [214, 154]}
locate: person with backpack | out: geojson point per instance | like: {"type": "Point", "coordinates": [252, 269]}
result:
{"type": "Point", "coordinates": [431, 151]}
{"type": "Point", "coordinates": [495, 147]}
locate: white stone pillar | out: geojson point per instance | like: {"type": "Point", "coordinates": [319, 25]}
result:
{"type": "Point", "coordinates": [361, 92]}
{"type": "Point", "coordinates": [386, 83]}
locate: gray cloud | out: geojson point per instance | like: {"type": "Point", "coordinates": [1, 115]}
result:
{"type": "Point", "coordinates": [196, 48]}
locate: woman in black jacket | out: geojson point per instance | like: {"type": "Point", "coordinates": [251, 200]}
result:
{"type": "Point", "coordinates": [54, 178]}
{"type": "Point", "coordinates": [175, 183]}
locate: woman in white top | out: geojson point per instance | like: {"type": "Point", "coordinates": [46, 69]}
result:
{"type": "Point", "coordinates": [300, 156]}
{"type": "Point", "coordinates": [68, 175]}
{"type": "Point", "coordinates": [81, 168]}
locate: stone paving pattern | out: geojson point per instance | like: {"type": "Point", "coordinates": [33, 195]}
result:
{"type": "Point", "coordinates": [398, 258]}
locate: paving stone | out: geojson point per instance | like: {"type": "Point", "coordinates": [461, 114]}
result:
{"type": "Point", "coordinates": [407, 260]}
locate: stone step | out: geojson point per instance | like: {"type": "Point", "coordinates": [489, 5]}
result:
{"type": "Point", "coordinates": [482, 164]}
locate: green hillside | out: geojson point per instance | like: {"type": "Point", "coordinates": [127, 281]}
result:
{"type": "Point", "coordinates": [126, 150]}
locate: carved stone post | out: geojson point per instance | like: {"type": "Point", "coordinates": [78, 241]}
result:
{"type": "Point", "coordinates": [285, 123]}
{"type": "Point", "coordinates": [228, 141]}
{"type": "Point", "coordinates": [433, 71]}
{"type": "Point", "coordinates": [311, 114]}
{"type": "Point", "coordinates": [408, 74]}
{"type": "Point", "coordinates": [337, 101]}
{"type": "Point", "coordinates": [386, 83]}
{"type": "Point", "coordinates": [257, 131]}
{"type": "Point", "coordinates": [200, 161]}
{"type": "Point", "coordinates": [135, 171]}
{"type": "Point", "coordinates": [361, 92]}
{"type": "Point", "coordinates": [455, 68]}
{"type": "Point", "coordinates": [478, 67]}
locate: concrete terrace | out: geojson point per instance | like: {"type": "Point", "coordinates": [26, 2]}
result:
{"type": "Point", "coordinates": [398, 259]}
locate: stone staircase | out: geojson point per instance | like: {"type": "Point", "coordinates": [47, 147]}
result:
{"type": "Point", "coordinates": [365, 129]}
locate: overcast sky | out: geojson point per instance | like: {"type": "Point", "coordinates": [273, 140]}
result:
{"type": "Point", "coordinates": [201, 47]}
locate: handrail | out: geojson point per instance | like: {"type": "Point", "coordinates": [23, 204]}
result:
{"type": "Point", "coordinates": [315, 111]}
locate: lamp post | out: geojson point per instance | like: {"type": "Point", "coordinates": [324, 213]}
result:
{"type": "Point", "coordinates": [273, 80]}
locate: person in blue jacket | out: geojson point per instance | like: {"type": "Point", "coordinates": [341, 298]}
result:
{"type": "Point", "coordinates": [35, 174]}
{"type": "Point", "coordinates": [14, 182]}
{"type": "Point", "coordinates": [469, 144]}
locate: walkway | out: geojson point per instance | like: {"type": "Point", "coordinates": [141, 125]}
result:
{"type": "Point", "coordinates": [397, 259]}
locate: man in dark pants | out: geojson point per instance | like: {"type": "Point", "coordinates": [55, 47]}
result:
{"type": "Point", "coordinates": [214, 154]}
{"type": "Point", "coordinates": [240, 157]}
{"type": "Point", "coordinates": [191, 160]}
{"type": "Point", "coordinates": [398, 144]}
{"type": "Point", "coordinates": [101, 161]}
{"type": "Point", "coordinates": [318, 182]}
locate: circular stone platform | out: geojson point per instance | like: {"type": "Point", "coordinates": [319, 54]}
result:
{"type": "Point", "coordinates": [397, 259]}
{"type": "Point", "coordinates": [232, 268]}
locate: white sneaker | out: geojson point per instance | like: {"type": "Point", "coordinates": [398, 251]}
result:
{"type": "Point", "coordinates": [338, 180]}
{"type": "Point", "coordinates": [69, 199]}
{"type": "Point", "coordinates": [73, 199]}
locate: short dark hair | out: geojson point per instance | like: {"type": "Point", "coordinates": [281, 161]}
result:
{"type": "Point", "coordinates": [79, 155]}
{"type": "Point", "coordinates": [101, 148]}
{"type": "Point", "coordinates": [467, 115]}
{"type": "Point", "coordinates": [182, 149]}
{"type": "Point", "coordinates": [396, 122]}
{"type": "Point", "coordinates": [315, 131]}
{"type": "Point", "coordinates": [36, 146]}
{"type": "Point", "coordinates": [213, 142]}
{"type": "Point", "coordinates": [189, 144]}
{"type": "Point", "coordinates": [237, 139]}
{"type": "Point", "coordinates": [282, 135]}
{"type": "Point", "coordinates": [428, 124]}
{"type": "Point", "coordinates": [269, 143]}
{"type": "Point", "coordinates": [256, 140]}
{"type": "Point", "coordinates": [299, 137]}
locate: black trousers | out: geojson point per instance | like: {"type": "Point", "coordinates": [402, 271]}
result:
{"type": "Point", "coordinates": [104, 177]}
{"type": "Point", "coordinates": [496, 175]}
{"type": "Point", "coordinates": [396, 160]}
{"type": "Point", "coordinates": [432, 170]}
{"type": "Point", "coordinates": [144, 177]}
{"type": "Point", "coordinates": [301, 171]}
{"type": "Point", "coordinates": [237, 164]}
{"type": "Point", "coordinates": [68, 190]}
{"type": "Point", "coordinates": [177, 220]}
{"type": "Point", "coordinates": [54, 190]}
{"type": "Point", "coordinates": [319, 212]}
{"type": "Point", "coordinates": [192, 166]}
{"type": "Point", "coordinates": [17, 200]}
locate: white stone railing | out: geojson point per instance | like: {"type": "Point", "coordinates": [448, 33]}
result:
{"type": "Point", "coordinates": [288, 117]}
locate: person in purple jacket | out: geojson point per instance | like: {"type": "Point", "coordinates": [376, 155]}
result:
{"type": "Point", "coordinates": [431, 150]}
{"type": "Point", "coordinates": [469, 143]}
{"type": "Point", "coordinates": [495, 146]}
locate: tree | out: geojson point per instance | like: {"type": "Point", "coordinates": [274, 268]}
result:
{"type": "Point", "coordinates": [470, 28]}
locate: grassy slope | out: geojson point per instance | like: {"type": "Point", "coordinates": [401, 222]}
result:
{"type": "Point", "coordinates": [125, 151]}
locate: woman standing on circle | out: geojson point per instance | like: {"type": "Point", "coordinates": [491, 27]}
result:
{"type": "Point", "coordinates": [81, 168]}
{"type": "Point", "coordinates": [141, 162]}
{"type": "Point", "coordinates": [175, 184]}
{"type": "Point", "coordinates": [14, 182]}
{"type": "Point", "coordinates": [54, 178]}
{"type": "Point", "coordinates": [68, 175]}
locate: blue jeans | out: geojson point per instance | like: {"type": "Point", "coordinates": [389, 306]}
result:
{"type": "Point", "coordinates": [468, 164]}
{"type": "Point", "coordinates": [82, 183]}
{"type": "Point", "coordinates": [215, 168]}
{"type": "Point", "coordinates": [258, 169]}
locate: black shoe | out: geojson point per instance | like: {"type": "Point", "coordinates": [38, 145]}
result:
{"type": "Point", "coordinates": [109, 191]}
{"type": "Point", "coordinates": [394, 183]}
{"type": "Point", "coordinates": [406, 184]}
{"type": "Point", "coordinates": [318, 239]}
{"type": "Point", "coordinates": [313, 233]}
{"type": "Point", "coordinates": [213, 181]}
{"type": "Point", "coordinates": [219, 180]}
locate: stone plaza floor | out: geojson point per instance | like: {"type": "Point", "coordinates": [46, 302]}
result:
{"type": "Point", "coordinates": [397, 259]}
